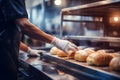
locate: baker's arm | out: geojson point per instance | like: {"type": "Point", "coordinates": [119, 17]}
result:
{"type": "Point", "coordinates": [29, 50]}
{"type": "Point", "coordinates": [34, 32]}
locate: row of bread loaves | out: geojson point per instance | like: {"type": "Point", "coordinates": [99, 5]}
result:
{"type": "Point", "coordinates": [97, 58]}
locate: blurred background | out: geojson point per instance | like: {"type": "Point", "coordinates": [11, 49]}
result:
{"type": "Point", "coordinates": [46, 14]}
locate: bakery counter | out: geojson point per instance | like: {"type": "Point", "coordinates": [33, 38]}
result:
{"type": "Point", "coordinates": [81, 70]}
{"type": "Point", "coordinates": [35, 68]}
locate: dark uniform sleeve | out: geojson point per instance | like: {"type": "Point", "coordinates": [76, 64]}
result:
{"type": "Point", "coordinates": [14, 9]}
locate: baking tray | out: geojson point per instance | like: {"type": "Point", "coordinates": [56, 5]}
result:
{"type": "Point", "coordinates": [81, 70]}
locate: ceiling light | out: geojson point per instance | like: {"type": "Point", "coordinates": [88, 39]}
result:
{"type": "Point", "coordinates": [57, 2]}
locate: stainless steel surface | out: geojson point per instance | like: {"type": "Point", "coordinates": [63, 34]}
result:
{"type": "Point", "coordinates": [92, 38]}
{"type": "Point", "coordinates": [43, 69]}
{"type": "Point", "coordinates": [99, 3]}
{"type": "Point", "coordinates": [98, 8]}
{"type": "Point", "coordinates": [104, 9]}
{"type": "Point", "coordinates": [82, 68]}
{"type": "Point", "coordinates": [58, 68]}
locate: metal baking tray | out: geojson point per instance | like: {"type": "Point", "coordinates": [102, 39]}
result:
{"type": "Point", "coordinates": [81, 70]}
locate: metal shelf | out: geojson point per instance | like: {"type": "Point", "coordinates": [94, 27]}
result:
{"type": "Point", "coordinates": [91, 38]}
{"type": "Point", "coordinates": [104, 9]}
{"type": "Point", "coordinates": [100, 8]}
{"type": "Point", "coordinates": [81, 21]}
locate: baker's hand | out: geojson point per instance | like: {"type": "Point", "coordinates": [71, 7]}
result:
{"type": "Point", "coordinates": [64, 45]}
{"type": "Point", "coordinates": [34, 52]}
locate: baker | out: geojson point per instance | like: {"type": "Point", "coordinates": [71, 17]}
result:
{"type": "Point", "coordinates": [13, 20]}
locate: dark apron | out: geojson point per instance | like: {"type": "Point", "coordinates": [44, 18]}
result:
{"type": "Point", "coordinates": [9, 47]}
{"type": "Point", "coordinates": [9, 37]}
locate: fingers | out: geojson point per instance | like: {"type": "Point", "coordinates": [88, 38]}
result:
{"type": "Point", "coordinates": [41, 51]}
{"type": "Point", "coordinates": [71, 46]}
{"type": "Point", "coordinates": [74, 46]}
{"type": "Point", "coordinates": [34, 52]}
{"type": "Point", "coordinates": [37, 55]}
{"type": "Point", "coordinates": [64, 45]}
{"type": "Point", "coordinates": [33, 55]}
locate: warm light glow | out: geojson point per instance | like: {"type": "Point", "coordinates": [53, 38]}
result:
{"type": "Point", "coordinates": [57, 2]}
{"type": "Point", "coordinates": [116, 19]}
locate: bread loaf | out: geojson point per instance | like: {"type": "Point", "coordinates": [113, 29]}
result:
{"type": "Point", "coordinates": [115, 63]}
{"type": "Point", "coordinates": [99, 59]}
{"type": "Point", "coordinates": [89, 50]}
{"type": "Point", "coordinates": [71, 54]}
{"type": "Point", "coordinates": [58, 52]}
{"type": "Point", "coordinates": [101, 51]}
{"type": "Point", "coordinates": [81, 55]}
{"type": "Point", "coordinates": [61, 53]}
{"type": "Point", "coordinates": [54, 50]}
{"type": "Point", "coordinates": [114, 54]}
